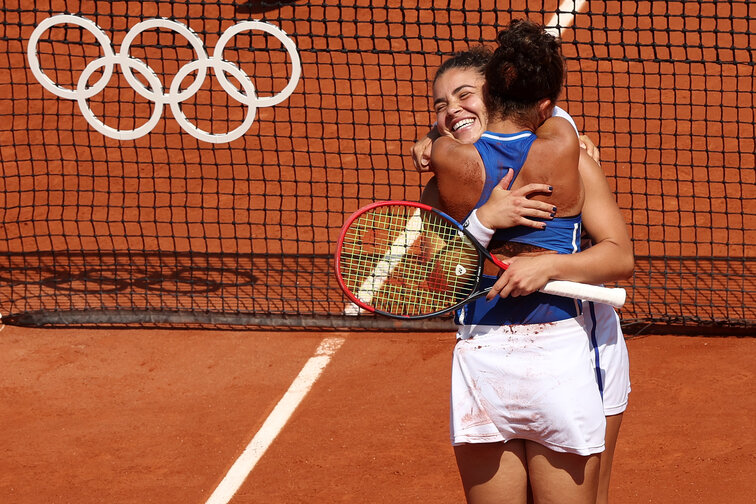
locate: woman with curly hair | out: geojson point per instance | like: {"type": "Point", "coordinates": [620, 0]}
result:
{"type": "Point", "coordinates": [525, 405]}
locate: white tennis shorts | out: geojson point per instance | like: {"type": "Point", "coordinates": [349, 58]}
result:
{"type": "Point", "coordinates": [533, 382]}
{"type": "Point", "coordinates": [609, 355]}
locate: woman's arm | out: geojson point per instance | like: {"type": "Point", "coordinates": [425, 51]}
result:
{"type": "Point", "coordinates": [609, 259]}
{"type": "Point", "coordinates": [459, 175]}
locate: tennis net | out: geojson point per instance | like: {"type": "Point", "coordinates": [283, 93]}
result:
{"type": "Point", "coordinates": [148, 181]}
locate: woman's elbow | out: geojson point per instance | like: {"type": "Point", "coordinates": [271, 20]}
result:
{"type": "Point", "coordinates": [626, 265]}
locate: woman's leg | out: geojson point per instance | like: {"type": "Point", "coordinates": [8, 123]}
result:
{"type": "Point", "coordinates": [613, 423]}
{"type": "Point", "coordinates": [493, 473]}
{"type": "Point", "coordinates": [561, 478]}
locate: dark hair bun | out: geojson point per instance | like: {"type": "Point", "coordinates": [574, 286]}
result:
{"type": "Point", "coordinates": [526, 67]}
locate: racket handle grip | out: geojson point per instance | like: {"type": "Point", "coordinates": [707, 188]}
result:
{"type": "Point", "coordinates": [614, 296]}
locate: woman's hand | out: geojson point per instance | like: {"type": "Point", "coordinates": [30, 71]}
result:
{"type": "Point", "coordinates": [525, 275]}
{"type": "Point", "coordinates": [590, 147]}
{"type": "Point", "coordinates": [421, 151]}
{"type": "Point", "coordinates": [506, 208]}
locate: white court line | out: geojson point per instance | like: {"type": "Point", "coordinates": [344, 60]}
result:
{"type": "Point", "coordinates": [275, 421]}
{"type": "Point", "coordinates": [564, 16]}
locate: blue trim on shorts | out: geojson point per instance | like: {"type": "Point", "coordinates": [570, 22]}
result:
{"type": "Point", "coordinates": [594, 342]}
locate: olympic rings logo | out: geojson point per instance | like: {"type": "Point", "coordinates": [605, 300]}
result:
{"type": "Point", "coordinates": [154, 91]}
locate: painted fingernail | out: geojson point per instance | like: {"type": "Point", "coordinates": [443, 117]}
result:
{"type": "Point", "coordinates": [551, 188]}
{"type": "Point", "coordinates": [553, 209]}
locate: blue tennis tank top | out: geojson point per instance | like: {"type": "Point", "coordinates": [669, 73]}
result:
{"type": "Point", "coordinates": [501, 152]}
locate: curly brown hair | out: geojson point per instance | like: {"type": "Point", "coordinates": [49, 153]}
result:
{"type": "Point", "coordinates": [526, 67]}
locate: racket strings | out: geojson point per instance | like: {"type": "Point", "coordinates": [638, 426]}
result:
{"type": "Point", "coordinates": [401, 260]}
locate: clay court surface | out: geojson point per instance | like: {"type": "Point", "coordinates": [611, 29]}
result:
{"type": "Point", "coordinates": [137, 416]}
{"type": "Point", "coordinates": [160, 416]}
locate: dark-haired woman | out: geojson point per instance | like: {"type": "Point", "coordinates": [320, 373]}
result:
{"type": "Point", "coordinates": [524, 399]}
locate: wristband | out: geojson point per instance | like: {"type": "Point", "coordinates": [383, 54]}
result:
{"type": "Point", "coordinates": [478, 230]}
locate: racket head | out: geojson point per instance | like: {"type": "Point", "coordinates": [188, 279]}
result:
{"type": "Point", "coordinates": [406, 260]}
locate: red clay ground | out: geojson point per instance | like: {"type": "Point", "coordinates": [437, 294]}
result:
{"type": "Point", "coordinates": [136, 416]}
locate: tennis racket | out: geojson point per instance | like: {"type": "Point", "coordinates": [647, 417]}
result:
{"type": "Point", "coordinates": [411, 261]}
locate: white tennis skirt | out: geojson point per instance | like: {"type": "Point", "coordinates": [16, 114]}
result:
{"type": "Point", "coordinates": [533, 382]}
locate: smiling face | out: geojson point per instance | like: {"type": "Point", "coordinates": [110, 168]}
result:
{"type": "Point", "coordinates": [458, 102]}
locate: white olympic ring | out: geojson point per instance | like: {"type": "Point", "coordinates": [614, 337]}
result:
{"type": "Point", "coordinates": [153, 91]}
